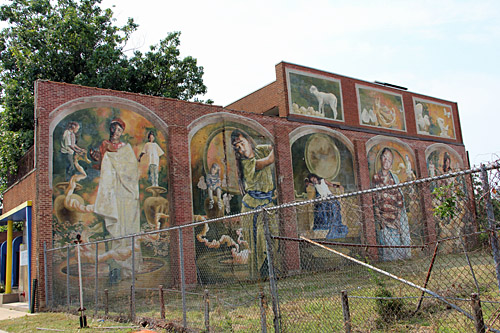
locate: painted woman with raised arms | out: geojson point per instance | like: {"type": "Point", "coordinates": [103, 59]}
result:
{"type": "Point", "coordinates": [255, 175]}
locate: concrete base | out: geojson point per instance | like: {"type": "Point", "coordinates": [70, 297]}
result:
{"type": "Point", "coordinates": [17, 306]}
{"type": "Point", "coordinates": [9, 298]}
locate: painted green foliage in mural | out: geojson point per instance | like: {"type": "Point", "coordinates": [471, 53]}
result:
{"type": "Point", "coordinates": [314, 96]}
{"type": "Point", "coordinates": [109, 172]}
{"type": "Point", "coordinates": [232, 169]}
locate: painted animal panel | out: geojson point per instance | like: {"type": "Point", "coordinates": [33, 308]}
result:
{"type": "Point", "coordinates": [379, 108]}
{"type": "Point", "coordinates": [314, 95]}
{"type": "Point", "coordinates": [434, 119]}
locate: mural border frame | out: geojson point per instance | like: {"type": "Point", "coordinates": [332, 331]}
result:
{"type": "Point", "coordinates": [414, 101]}
{"type": "Point", "coordinates": [357, 86]}
{"type": "Point", "coordinates": [318, 76]}
{"type": "Point", "coordinates": [74, 105]}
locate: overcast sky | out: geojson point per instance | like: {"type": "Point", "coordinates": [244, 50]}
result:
{"type": "Point", "coordinates": [445, 49]}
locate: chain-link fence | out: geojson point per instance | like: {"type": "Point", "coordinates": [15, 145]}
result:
{"type": "Point", "coordinates": [419, 256]}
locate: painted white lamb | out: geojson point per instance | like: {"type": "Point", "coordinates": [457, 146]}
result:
{"type": "Point", "coordinates": [325, 98]}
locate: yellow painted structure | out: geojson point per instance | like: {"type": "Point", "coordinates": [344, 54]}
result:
{"type": "Point", "coordinates": [8, 270]}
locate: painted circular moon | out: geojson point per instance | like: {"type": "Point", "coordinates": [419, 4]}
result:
{"type": "Point", "coordinates": [322, 156]}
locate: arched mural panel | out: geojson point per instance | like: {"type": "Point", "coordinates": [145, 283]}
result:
{"type": "Point", "coordinates": [398, 216]}
{"type": "Point", "coordinates": [323, 165]}
{"type": "Point", "coordinates": [442, 159]}
{"type": "Point", "coordinates": [109, 175]}
{"type": "Point", "coordinates": [232, 169]}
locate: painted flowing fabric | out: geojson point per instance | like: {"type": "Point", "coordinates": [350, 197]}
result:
{"type": "Point", "coordinates": [259, 187]}
{"type": "Point", "coordinates": [327, 214]}
{"type": "Point", "coordinates": [391, 215]}
{"type": "Point", "coordinates": [118, 196]}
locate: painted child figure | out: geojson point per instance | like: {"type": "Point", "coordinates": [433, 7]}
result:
{"type": "Point", "coordinates": [214, 184]}
{"type": "Point", "coordinates": [153, 151]}
{"type": "Point", "coordinates": [69, 148]}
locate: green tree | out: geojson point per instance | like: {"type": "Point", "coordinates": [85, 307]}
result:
{"type": "Point", "coordinates": [76, 41]}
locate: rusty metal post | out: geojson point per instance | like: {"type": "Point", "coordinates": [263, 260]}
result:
{"type": "Point", "coordinates": [162, 303]}
{"type": "Point", "coordinates": [96, 296]}
{"type": "Point", "coordinates": [477, 312]}
{"type": "Point", "coordinates": [495, 247]}
{"type": "Point", "coordinates": [263, 319]}
{"type": "Point", "coordinates": [272, 276]}
{"type": "Point", "coordinates": [132, 287]}
{"type": "Point", "coordinates": [68, 300]}
{"type": "Point", "coordinates": [207, 310]}
{"type": "Point", "coordinates": [106, 299]}
{"type": "Point", "coordinates": [428, 276]}
{"type": "Point", "coordinates": [345, 311]}
{"type": "Point", "coordinates": [132, 314]}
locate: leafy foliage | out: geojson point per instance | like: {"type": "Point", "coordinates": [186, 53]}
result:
{"type": "Point", "coordinates": [75, 41]}
{"type": "Point", "coordinates": [17, 226]}
{"type": "Point", "coordinates": [448, 196]}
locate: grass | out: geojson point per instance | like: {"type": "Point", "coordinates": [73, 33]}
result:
{"type": "Point", "coordinates": [310, 302]}
{"type": "Point", "coordinates": [62, 321]}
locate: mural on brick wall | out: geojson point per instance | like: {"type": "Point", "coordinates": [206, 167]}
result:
{"type": "Point", "coordinates": [323, 165]}
{"type": "Point", "coordinates": [379, 108]}
{"type": "Point", "coordinates": [315, 95]}
{"type": "Point", "coordinates": [434, 119]}
{"type": "Point", "coordinates": [397, 216]}
{"type": "Point", "coordinates": [441, 159]}
{"type": "Point", "coordinates": [109, 175]}
{"type": "Point", "coordinates": [232, 168]}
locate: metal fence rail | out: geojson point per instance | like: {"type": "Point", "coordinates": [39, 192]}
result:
{"type": "Point", "coordinates": [436, 273]}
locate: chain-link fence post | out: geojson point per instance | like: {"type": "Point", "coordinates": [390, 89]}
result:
{"type": "Point", "coordinates": [477, 312]}
{"type": "Point", "coordinates": [68, 300]}
{"type": "Point", "coordinates": [162, 302]}
{"type": "Point", "coordinates": [106, 302]}
{"type": "Point", "coordinates": [263, 319]}
{"type": "Point", "coordinates": [345, 311]}
{"type": "Point", "coordinates": [132, 288]}
{"type": "Point", "coordinates": [46, 274]}
{"type": "Point", "coordinates": [96, 278]}
{"type": "Point", "coordinates": [183, 286]}
{"type": "Point", "coordinates": [491, 222]}
{"type": "Point", "coordinates": [207, 310]}
{"type": "Point", "coordinates": [272, 276]}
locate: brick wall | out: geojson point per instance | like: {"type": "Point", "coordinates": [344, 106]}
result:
{"type": "Point", "coordinates": [52, 99]}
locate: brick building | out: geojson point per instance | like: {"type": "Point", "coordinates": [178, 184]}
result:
{"type": "Point", "coordinates": [310, 122]}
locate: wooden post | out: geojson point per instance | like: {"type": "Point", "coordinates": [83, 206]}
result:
{"type": "Point", "coordinates": [477, 312]}
{"type": "Point", "coordinates": [345, 310]}
{"type": "Point", "coordinates": [162, 302]}
{"type": "Point", "coordinates": [207, 310]}
{"type": "Point", "coordinates": [106, 298]}
{"type": "Point", "coordinates": [263, 320]}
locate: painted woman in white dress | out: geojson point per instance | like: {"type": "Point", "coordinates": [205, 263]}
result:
{"type": "Point", "coordinates": [118, 194]}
